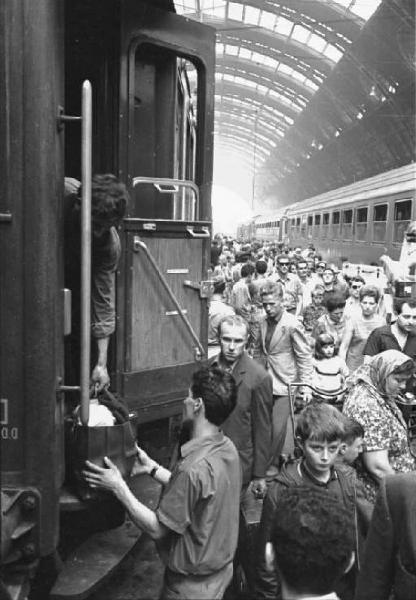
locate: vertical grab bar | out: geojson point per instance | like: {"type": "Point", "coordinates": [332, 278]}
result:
{"type": "Point", "coordinates": [86, 154]}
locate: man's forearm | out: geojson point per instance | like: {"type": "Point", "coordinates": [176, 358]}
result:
{"type": "Point", "coordinates": [141, 516]}
{"type": "Point", "coordinates": [102, 346]}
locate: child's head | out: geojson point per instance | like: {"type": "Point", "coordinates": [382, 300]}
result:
{"type": "Point", "coordinates": [324, 346]}
{"type": "Point", "coordinates": [317, 295]}
{"type": "Point", "coordinates": [312, 541]}
{"type": "Point", "coordinates": [352, 442]}
{"type": "Point", "coordinates": [320, 432]}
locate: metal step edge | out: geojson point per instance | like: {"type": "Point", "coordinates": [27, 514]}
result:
{"type": "Point", "coordinates": [93, 562]}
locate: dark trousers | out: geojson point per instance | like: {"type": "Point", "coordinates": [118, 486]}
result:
{"type": "Point", "coordinates": [281, 416]}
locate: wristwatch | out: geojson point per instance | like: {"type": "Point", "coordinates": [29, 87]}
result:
{"type": "Point", "coordinates": [153, 471]}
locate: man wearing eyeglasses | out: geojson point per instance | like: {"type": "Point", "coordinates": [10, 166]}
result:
{"type": "Point", "coordinates": [352, 305]}
{"type": "Point", "coordinates": [289, 281]}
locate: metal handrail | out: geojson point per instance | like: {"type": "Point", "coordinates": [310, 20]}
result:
{"type": "Point", "coordinates": [86, 174]}
{"type": "Point", "coordinates": [175, 185]}
{"type": "Point", "coordinates": [139, 243]}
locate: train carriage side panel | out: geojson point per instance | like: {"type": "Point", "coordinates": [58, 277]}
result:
{"type": "Point", "coordinates": [31, 301]}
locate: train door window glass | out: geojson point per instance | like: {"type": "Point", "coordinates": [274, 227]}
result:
{"type": "Point", "coordinates": [380, 223]}
{"type": "Point", "coordinates": [347, 224]}
{"type": "Point", "coordinates": [361, 224]}
{"type": "Point", "coordinates": [325, 225]}
{"type": "Point", "coordinates": [402, 217]}
{"type": "Point", "coordinates": [336, 219]}
{"type": "Point", "coordinates": [164, 133]}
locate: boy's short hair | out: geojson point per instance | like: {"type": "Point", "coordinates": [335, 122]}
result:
{"type": "Point", "coordinates": [320, 422]}
{"type": "Point", "coordinates": [218, 391]}
{"type": "Point", "coordinates": [352, 429]}
{"type": "Point", "coordinates": [334, 301]}
{"type": "Point", "coordinates": [313, 539]}
{"type": "Point", "coordinates": [233, 321]}
{"type": "Point", "coordinates": [261, 266]}
{"type": "Point", "coordinates": [272, 288]}
{"type": "Point", "coordinates": [246, 270]}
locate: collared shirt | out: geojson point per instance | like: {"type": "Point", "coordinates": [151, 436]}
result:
{"type": "Point", "coordinates": [200, 505]}
{"type": "Point", "coordinates": [289, 284]}
{"type": "Point", "coordinates": [382, 338]}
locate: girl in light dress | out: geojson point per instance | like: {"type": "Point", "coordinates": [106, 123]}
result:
{"type": "Point", "coordinates": [329, 371]}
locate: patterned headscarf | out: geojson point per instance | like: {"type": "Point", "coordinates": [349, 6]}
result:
{"type": "Point", "coordinates": [381, 365]}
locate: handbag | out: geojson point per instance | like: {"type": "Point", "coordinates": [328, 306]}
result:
{"type": "Point", "coordinates": [117, 442]}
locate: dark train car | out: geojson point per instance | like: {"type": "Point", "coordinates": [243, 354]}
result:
{"type": "Point", "coordinates": [359, 222]}
{"type": "Point", "coordinates": [152, 79]}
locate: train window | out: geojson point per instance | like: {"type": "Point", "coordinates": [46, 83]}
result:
{"type": "Point", "coordinates": [336, 219]}
{"type": "Point", "coordinates": [402, 217]}
{"type": "Point", "coordinates": [317, 220]}
{"type": "Point", "coordinates": [293, 222]}
{"type": "Point", "coordinates": [361, 224]}
{"type": "Point", "coordinates": [380, 223]}
{"type": "Point", "coordinates": [164, 120]}
{"type": "Point", "coordinates": [325, 225]}
{"type": "Point", "coordinates": [310, 220]}
{"type": "Point", "coordinates": [298, 222]}
{"type": "Point", "coordinates": [347, 224]}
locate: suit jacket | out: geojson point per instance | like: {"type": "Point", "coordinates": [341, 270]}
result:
{"type": "Point", "coordinates": [249, 426]}
{"type": "Point", "coordinates": [289, 357]}
{"type": "Point", "coordinates": [390, 554]}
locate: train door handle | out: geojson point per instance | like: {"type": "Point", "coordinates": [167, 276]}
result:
{"type": "Point", "coordinates": [202, 233]}
{"type": "Point", "coordinates": [205, 288]}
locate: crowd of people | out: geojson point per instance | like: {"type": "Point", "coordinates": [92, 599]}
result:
{"type": "Point", "coordinates": [334, 483]}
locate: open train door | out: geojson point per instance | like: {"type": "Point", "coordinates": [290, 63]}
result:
{"type": "Point", "coordinates": [166, 137]}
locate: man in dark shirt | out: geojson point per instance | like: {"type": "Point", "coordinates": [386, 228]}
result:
{"type": "Point", "coordinates": [109, 199]}
{"type": "Point", "coordinates": [400, 335]}
{"type": "Point", "coordinates": [196, 522]}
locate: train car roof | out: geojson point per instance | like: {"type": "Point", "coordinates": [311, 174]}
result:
{"type": "Point", "coordinates": [392, 182]}
{"type": "Point", "coordinates": [273, 216]}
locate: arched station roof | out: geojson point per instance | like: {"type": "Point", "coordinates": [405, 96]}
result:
{"type": "Point", "coordinates": [316, 93]}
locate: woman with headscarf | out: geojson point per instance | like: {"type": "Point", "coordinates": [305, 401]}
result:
{"type": "Point", "coordinates": [372, 402]}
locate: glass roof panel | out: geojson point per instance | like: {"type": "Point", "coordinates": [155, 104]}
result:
{"type": "Point", "coordinates": [365, 8]}
{"type": "Point", "coordinates": [284, 26]}
{"type": "Point", "coordinates": [233, 50]}
{"type": "Point", "coordinates": [333, 53]}
{"type": "Point", "coordinates": [244, 53]}
{"type": "Point", "coordinates": [300, 34]}
{"type": "Point", "coordinates": [267, 20]}
{"type": "Point", "coordinates": [185, 6]}
{"type": "Point", "coordinates": [251, 15]}
{"type": "Point", "coordinates": [235, 11]}
{"type": "Point", "coordinates": [285, 69]}
{"type": "Point", "coordinates": [317, 42]}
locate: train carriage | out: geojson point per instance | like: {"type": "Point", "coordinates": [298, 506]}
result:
{"type": "Point", "coordinates": [357, 223]}
{"type": "Point", "coordinates": [360, 222]}
{"type": "Point", "coordinates": [149, 102]}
